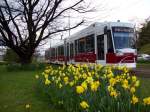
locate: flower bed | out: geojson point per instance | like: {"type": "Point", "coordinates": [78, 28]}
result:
{"type": "Point", "coordinates": [94, 88]}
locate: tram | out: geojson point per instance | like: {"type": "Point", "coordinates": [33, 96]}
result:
{"type": "Point", "coordinates": [107, 43]}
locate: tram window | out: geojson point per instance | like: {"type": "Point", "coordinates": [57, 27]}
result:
{"type": "Point", "coordinates": [81, 45]}
{"type": "Point", "coordinates": [90, 43]}
{"type": "Point", "coordinates": [76, 46]}
{"type": "Point", "coordinates": [100, 47]}
{"type": "Point", "coordinates": [56, 52]}
{"type": "Point", "coordinates": [67, 49]}
{"type": "Point", "coordinates": [53, 52]}
{"type": "Point", "coordinates": [49, 53]}
{"type": "Point", "coordinates": [71, 50]}
{"type": "Point", "coordinates": [109, 42]}
{"type": "Point", "coordinates": [61, 50]}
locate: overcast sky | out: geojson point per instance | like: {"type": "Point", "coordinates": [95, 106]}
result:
{"type": "Point", "coordinates": [124, 10]}
{"type": "Point", "coordinates": [135, 11]}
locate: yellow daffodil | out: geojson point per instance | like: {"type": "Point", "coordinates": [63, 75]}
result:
{"type": "Point", "coordinates": [84, 105]}
{"type": "Point", "coordinates": [79, 89]}
{"type": "Point", "coordinates": [146, 101]}
{"type": "Point", "coordinates": [113, 93]}
{"type": "Point", "coordinates": [110, 74]}
{"type": "Point", "coordinates": [125, 70]}
{"type": "Point", "coordinates": [110, 88]}
{"type": "Point", "coordinates": [28, 106]}
{"type": "Point", "coordinates": [60, 85]}
{"type": "Point", "coordinates": [47, 71]}
{"type": "Point", "coordinates": [84, 85]}
{"type": "Point", "coordinates": [132, 90]}
{"type": "Point", "coordinates": [71, 83]}
{"type": "Point", "coordinates": [95, 85]}
{"type": "Point", "coordinates": [84, 76]}
{"type": "Point", "coordinates": [125, 84]}
{"type": "Point", "coordinates": [134, 78]}
{"type": "Point", "coordinates": [137, 83]}
{"type": "Point", "coordinates": [47, 82]}
{"type": "Point", "coordinates": [66, 80]}
{"type": "Point", "coordinates": [37, 76]}
{"type": "Point", "coordinates": [89, 80]}
{"type": "Point", "coordinates": [134, 99]}
{"type": "Point", "coordinates": [112, 81]}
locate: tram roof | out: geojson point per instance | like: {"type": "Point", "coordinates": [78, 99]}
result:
{"type": "Point", "coordinates": [94, 28]}
{"type": "Point", "coordinates": [97, 27]}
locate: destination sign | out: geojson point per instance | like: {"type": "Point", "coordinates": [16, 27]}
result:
{"type": "Point", "coordinates": [122, 29]}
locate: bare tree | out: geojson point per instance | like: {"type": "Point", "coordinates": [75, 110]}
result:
{"type": "Point", "coordinates": [25, 23]}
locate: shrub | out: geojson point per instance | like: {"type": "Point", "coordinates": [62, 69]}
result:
{"type": "Point", "coordinates": [11, 56]}
{"type": "Point", "coordinates": [93, 88]}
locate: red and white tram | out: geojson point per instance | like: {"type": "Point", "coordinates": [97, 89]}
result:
{"type": "Point", "coordinates": [104, 43]}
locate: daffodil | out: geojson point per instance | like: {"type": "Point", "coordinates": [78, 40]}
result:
{"type": "Point", "coordinates": [146, 101]}
{"type": "Point", "coordinates": [132, 90]}
{"type": "Point", "coordinates": [137, 83]}
{"type": "Point", "coordinates": [71, 83]}
{"type": "Point", "coordinates": [125, 84]}
{"type": "Point", "coordinates": [79, 89]}
{"type": "Point", "coordinates": [114, 93]}
{"type": "Point", "coordinates": [84, 75]}
{"type": "Point", "coordinates": [47, 82]}
{"type": "Point", "coordinates": [37, 76]}
{"type": "Point", "coordinates": [84, 105]}
{"type": "Point", "coordinates": [110, 88]}
{"type": "Point", "coordinates": [134, 78]}
{"type": "Point", "coordinates": [89, 80]}
{"type": "Point", "coordinates": [84, 85]}
{"type": "Point", "coordinates": [60, 85]}
{"type": "Point", "coordinates": [95, 85]}
{"type": "Point", "coordinates": [134, 99]}
{"type": "Point", "coordinates": [112, 81]}
{"type": "Point", "coordinates": [66, 79]}
{"type": "Point", "coordinates": [28, 106]}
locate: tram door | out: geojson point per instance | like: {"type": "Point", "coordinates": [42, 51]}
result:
{"type": "Point", "coordinates": [100, 48]}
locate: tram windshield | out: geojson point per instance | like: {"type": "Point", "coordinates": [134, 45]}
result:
{"type": "Point", "coordinates": [123, 37]}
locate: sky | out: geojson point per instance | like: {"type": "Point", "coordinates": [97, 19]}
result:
{"type": "Point", "coordinates": [124, 10]}
{"type": "Point", "coordinates": [135, 11]}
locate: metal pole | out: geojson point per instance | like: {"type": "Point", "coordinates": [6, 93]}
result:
{"type": "Point", "coordinates": [69, 22]}
{"type": "Point", "coordinates": [65, 51]}
{"type": "Point", "coordinates": [50, 50]}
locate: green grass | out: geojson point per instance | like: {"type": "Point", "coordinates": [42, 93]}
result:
{"type": "Point", "coordinates": [143, 65]}
{"type": "Point", "coordinates": [145, 87]}
{"type": "Point", "coordinates": [20, 88]}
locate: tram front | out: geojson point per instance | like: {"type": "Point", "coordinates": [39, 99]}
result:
{"type": "Point", "coordinates": [124, 51]}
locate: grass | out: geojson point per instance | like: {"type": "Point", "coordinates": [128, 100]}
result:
{"type": "Point", "coordinates": [143, 65]}
{"type": "Point", "coordinates": [145, 87]}
{"type": "Point", "coordinates": [18, 89]}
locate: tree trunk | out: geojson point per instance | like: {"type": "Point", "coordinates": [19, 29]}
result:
{"type": "Point", "coordinates": [24, 60]}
